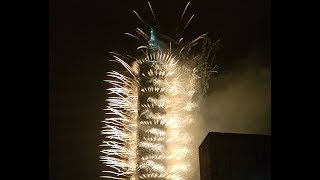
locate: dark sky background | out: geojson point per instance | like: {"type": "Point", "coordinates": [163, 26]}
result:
{"type": "Point", "coordinates": [81, 32]}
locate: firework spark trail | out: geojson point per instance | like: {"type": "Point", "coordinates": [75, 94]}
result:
{"type": "Point", "coordinates": [129, 34]}
{"type": "Point", "coordinates": [184, 11]}
{"type": "Point", "coordinates": [154, 16]}
{"type": "Point", "coordinates": [150, 108]}
{"type": "Point", "coordinates": [187, 23]}
{"type": "Point", "coordinates": [135, 12]}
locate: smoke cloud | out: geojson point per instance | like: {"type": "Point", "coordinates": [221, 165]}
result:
{"type": "Point", "coordinates": [239, 101]}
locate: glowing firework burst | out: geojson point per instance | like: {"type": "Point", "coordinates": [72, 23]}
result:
{"type": "Point", "coordinates": [151, 107]}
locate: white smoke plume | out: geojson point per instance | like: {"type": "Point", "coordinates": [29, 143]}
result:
{"type": "Point", "coordinates": [240, 101]}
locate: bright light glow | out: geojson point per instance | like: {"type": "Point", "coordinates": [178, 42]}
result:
{"type": "Point", "coordinates": [149, 110]}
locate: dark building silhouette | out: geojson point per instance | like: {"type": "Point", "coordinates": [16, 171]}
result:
{"type": "Point", "coordinates": [228, 156]}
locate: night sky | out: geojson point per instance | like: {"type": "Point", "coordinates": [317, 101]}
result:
{"type": "Point", "coordinates": [81, 32]}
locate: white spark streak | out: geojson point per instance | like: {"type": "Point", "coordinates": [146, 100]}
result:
{"type": "Point", "coordinates": [149, 110]}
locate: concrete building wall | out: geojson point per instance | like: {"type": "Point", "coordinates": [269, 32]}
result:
{"type": "Point", "coordinates": [228, 156]}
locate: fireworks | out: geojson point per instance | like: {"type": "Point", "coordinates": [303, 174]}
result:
{"type": "Point", "coordinates": [150, 107]}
